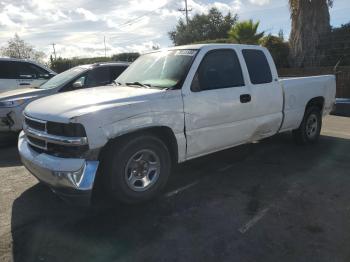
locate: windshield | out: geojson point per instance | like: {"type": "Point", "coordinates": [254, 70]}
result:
{"type": "Point", "coordinates": [163, 69]}
{"type": "Point", "coordinates": [62, 78]}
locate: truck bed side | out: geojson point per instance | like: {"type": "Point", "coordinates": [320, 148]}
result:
{"type": "Point", "coordinates": [298, 92]}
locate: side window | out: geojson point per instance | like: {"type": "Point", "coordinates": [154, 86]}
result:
{"type": "Point", "coordinates": [116, 71]}
{"type": "Point", "coordinates": [40, 72]}
{"type": "Point", "coordinates": [218, 69]}
{"type": "Point", "coordinates": [258, 66]}
{"type": "Point", "coordinates": [7, 70]}
{"type": "Point", "coordinates": [98, 76]}
{"type": "Point", "coordinates": [29, 71]}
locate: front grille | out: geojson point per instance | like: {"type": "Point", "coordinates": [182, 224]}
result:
{"type": "Point", "coordinates": [55, 138]}
{"type": "Point", "coordinates": [35, 124]}
{"type": "Point", "coordinates": [37, 142]}
{"type": "Point", "coordinates": [69, 130]}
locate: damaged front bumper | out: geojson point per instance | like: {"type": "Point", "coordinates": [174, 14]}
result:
{"type": "Point", "coordinates": [71, 179]}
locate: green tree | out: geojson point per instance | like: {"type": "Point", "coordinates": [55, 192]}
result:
{"type": "Point", "coordinates": [17, 48]}
{"type": "Point", "coordinates": [246, 32]}
{"type": "Point", "coordinates": [278, 48]}
{"type": "Point", "coordinates": [201, 27]}
{"type": "Point", "coordinates": [127, 57]}
{"type": "Point", "coordinates": [336, 46]}
{"type": "Point", "coordinates": [310, 21]}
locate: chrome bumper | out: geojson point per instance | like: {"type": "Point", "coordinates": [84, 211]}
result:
{"type": "Point", "coordinates": [72, 179]}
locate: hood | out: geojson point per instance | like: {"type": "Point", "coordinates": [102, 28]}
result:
{"type": "Point", "coordinates": [65, 106]}
{"type": "Point", "coordinates": [25, 92]}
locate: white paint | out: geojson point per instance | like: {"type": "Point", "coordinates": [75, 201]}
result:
{"type": "Point", "coordinates": [179, 190]}
{"type": "Point", "coordinates": [215, 119]}
{"type": "Point", "coordinates": [223, 169]}
{"type": "Point", "coordinates": [253, 221]}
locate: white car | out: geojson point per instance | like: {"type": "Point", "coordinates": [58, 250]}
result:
{"type": "Point", "coordinates": [170, 106]}
{"type": "Point", "coordinates": [20, 73]}
{"type": "Point", "coordinates": [12, 103]}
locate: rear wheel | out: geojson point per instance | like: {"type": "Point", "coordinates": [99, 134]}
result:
{"type": "Point", "coordinates": [310, 128]}
{"type": "Point", "coordinates": [137, 168]}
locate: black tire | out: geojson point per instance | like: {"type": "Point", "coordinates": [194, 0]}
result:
{"type": "Point", "coordinates": [310, 128]}
{"type": "Point", "coordinates": [117, 157]}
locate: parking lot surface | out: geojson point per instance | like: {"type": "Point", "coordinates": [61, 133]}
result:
{"type": "Point", "coordinates": [267, 201]}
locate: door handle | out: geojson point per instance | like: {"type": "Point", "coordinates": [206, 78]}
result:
{"type": "Point", "coordinates": [24, 84]}
{"type": "Point", "coordinates": [246, 98]}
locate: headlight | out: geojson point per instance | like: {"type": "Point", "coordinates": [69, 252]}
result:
{"type": "Point", "coordinates": [14, 102]}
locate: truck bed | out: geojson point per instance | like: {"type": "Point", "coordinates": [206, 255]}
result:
{"type": "Point", "coordinates": [298, 91]}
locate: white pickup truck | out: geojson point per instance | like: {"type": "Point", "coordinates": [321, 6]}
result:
{"type": "Point", "coordinates": [168, 107]}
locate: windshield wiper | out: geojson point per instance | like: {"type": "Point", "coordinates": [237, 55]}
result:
{"type": "Point", "coordinates": [138, 84]}
{"type": "Point", "coordinates": [116, 83]}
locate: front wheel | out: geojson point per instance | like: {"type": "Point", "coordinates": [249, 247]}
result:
{"type": "Point", "coordinates": [137, 168]}
{"type": "Point", "coordinates": [310, 128]}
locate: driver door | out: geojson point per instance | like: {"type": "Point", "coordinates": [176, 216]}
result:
{"type": "Point", "coordinates": [218, 107]}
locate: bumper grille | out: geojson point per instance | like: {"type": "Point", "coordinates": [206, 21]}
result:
{"type": "Point", "coordinates": [35, 124]}
{"type": "Point", "coordinates": [58, 139]}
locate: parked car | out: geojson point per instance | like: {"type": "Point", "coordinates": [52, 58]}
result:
{"type": "Point", "coordinates": [20, 73]}
{"type": "Point", "coordinates": [12, 103]}
{"type": "Point", "coordinates": [171, 106]}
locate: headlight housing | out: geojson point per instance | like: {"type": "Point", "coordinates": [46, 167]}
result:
{"type": "Point", "coordinates": [14, 102]}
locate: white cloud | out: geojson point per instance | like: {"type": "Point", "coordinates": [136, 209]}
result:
{"type": "Point", "coordinates": [260, 2]}
{"type": "Point", "coordinates": [88, 15]}
{"type": "Point", "coordinates": [78, 27]}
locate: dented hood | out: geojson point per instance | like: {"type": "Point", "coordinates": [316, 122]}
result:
{"type": "Point", "coordinates": [65, 106]}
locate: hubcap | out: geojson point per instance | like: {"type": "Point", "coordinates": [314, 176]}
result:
{"type": "Point", "coordinates": [142, 170]}
{"type": "Point", "coordinates": [311, 126]}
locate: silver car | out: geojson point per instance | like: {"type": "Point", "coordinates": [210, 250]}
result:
{"type": "Point", "coordinates": [12, 103]}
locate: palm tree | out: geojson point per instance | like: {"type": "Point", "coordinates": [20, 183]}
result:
{"type": "Point", "coordinates": [310, 22]}
{"type": "Point", "coordinates": [246, 32]}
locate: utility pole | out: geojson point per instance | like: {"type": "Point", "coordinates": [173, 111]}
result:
{"type": "Point", "coordinates": [186, 10]}
{"type": "Point", "coordinates": [54, 50]}
{"type": "Point", "coordinates": [104, 41]}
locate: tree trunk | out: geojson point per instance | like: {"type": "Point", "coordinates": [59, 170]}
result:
{"type": "Point", "coordinates": [310, 21]}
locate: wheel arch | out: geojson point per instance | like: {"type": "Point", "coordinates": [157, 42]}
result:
{"type": "Point", "coordinates": [317, 102]}
{"type": "Point", "coordinates": [164, 133]}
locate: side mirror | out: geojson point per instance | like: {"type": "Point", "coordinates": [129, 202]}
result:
{"type": "Point", "coordinates": [46, 76]}
{"type": "Point", "coordinates": [51, 75]}
{"type": "Point", "coordinates": [77, 85]}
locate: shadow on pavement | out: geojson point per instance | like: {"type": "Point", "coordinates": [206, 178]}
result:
{"type": "Point", "coordinates": [9, 157]}
{"type": "Point", "coordinates": [201, 223]}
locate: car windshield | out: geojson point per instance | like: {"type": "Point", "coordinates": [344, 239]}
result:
{"type": "Point", "coordinates": [64, 77]}
{"type": "Point", "coordinates": [162, 69]}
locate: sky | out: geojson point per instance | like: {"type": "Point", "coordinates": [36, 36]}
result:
{"type": "Point", "coordinates": [79, 27]}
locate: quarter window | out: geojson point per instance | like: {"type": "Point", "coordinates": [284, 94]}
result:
{"type": "Point", "coordinates": [258, 66]}
{"type": "Point", "coordinates": [218, 69]}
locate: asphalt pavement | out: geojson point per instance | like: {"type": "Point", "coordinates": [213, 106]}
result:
{"type": "Point", "coordinates": [268, 201]}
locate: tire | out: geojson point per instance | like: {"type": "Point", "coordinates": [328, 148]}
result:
{"type": "Point", "coordinates": [136, 169]}
{"type": "Point", "coordinates": [310, 128]}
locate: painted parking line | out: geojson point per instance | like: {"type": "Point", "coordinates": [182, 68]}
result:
{"type": "Point", "coordinates": [179, 190]}
{"type": "Point", "coordinates": [223, 169]}
{"type": "Point", "coordinates": [253, 221]}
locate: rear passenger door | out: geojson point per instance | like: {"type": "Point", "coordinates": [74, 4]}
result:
{"type": "Point", "coordinates": [267, 95]}
{"type": "Point", "coordinates": [217, 106]}
{"type": "Point", "coordinates": [8, 78]}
